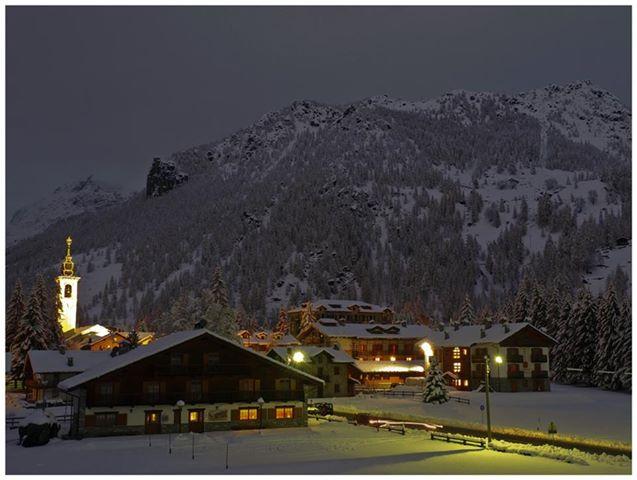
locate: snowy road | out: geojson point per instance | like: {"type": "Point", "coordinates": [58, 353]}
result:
{"type": "Point", "coordinates": [322, 448]}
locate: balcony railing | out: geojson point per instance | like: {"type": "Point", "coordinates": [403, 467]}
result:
{"type": "Point", "coordinates": [540, 374]}
{"type": "Point", "coordinates": [171, 398]}
{"type": "Point", "coordinates": [515, 375]}
{"type": "Point", "coordinates": [477, 359]}
{"type": "Point", "coordinates": [194, 370]}
{"type": "Point", "coordinates": [538, 358]}
{"type": "Point", "coordinates": [514, 358]}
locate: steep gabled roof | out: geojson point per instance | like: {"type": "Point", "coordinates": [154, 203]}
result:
{"type": "Point", "coordinates": [469, 335]}
{"type": "Point", "coordinates": [160, 345]}
{"type": "Point", "coordinates": [333, 305]}
{"type": "Point", "coordinates": [338, 356]}
{"type": "Point", "coordinates": [367, 330]}
{"type": "Point", "coordinates": [71, 361]}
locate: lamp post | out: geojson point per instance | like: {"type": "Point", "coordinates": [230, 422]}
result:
{"type": "Point", "coordinates": [260, 401]}
{"type": "Point", "coordinates": [498, 362]}
{"type": "Point", "coordinates": [180, 404]}
{"type": "Point", "coordinates": [427, 352]}
{"type": "Point", "coordinates": [487, 371]}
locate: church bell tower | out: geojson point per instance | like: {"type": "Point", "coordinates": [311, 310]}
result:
{"type": "Point", "coordinates": [67, 291]}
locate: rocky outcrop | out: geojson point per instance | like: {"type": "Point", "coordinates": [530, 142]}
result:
{"type": "Point", "coordinates": [163, 177]}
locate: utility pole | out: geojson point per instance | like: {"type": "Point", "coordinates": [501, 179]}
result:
{"type": "Point", "coordinates": [487, 387]}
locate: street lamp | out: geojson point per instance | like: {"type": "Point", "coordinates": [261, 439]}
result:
{"type": "Point", "coordinates": [260, 401]}
{"type": "Point", "coordinates": [498, 362]}
{"type": "Point", "coordinates": [428, 352]}
{"type": "Point", "coordinates": [487, 371]}
{"type": "Point", "coordinates": [298, 357]}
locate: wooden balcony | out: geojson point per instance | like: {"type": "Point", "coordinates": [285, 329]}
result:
{"type": "Point", "coordinates": [514, 358]}
{"type": "Point", "coordinates": [171, 398]}
{"type": "Point", "coordinates": [539, 358]}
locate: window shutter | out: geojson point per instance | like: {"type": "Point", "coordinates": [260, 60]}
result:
{"type": "Point", "coordinates": [121, 419]}
{"type": "Point", "coordinates": [298, 412]}
{"type": "Point", "coordinates": [89, 420]}
{"type": "Point", "coordinates": [234, 415]}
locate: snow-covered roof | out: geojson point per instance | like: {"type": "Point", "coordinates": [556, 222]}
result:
{"type": "Point", "coordinates": [370, 366]}
{"type": "Point", "coordinates": [345, 305]}
{"type": "Point", "coordinates": [469, 335]}
{"type": "Point", "coordinates": [158, 346]}
{"type": "Point", "coordinates": [338, 356]}
{"type": "Point", "coordinates": [332, 328]}
{"type": "Point", "coordinates": [268, 338]}
{"type": "Point", "coordinates": [53, 361]}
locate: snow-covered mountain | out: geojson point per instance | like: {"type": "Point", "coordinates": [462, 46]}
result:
{"type": "Point", "coordinates": [392, 201]}
{"type": "Point", "coordinates": [75, 198]}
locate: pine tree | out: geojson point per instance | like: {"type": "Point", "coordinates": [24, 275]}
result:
{"type": "Point", "coordinates": [584, 324]}
{"type": "Point", "coordinates": [241, 318]}
{"type": "Point", "coordinates": [435, 387]}
{"type": "Point", "coordinates": [30, 336]}
{"type": "Point", "coordinates": [15, 311]}
{"type": "Point", "coordinates": [537, 308]}
{"type": "Point", "coordinates": [521, 303]}
{"type": "Point", "coordinates": [623, 356]}
{"type": "Point", "coordinates": [561, 352]}
{"type": "Point", "coordinates": [467, 316]}
{"type": "Point", "coordinates": [221, 320]}
{"type": "Point", "coordinates": [219, 290]}
{"type": "Point", "coordinates": [51, 328]}
{"type": "Point", "coordinates": [133, 339]}
{"type": "Point", "coordinates": [608, 341]}
{"type": "Point", "coordinates": [553, 310]}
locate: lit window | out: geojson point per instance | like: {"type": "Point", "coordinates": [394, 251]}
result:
{"type": "Point", "coordinates": [456, 353]}
{"type": "Point", "coordinates": [466, 383]}
{"type": "Point", "coordinates": [457, 366]}
{"type": "Point", "coordinates": [377, 359]}
{"type": "Point", "coordinates": [408, 359]}
{"type": "Point", "coordinates": [248, 413]}
{"type": "Point", "coordinates": [464, 351]}
{"type": "Point", "coordinates": [457, 382]}
{"type": "Point", "coordinates": [392, 359]}
{"type": "Point", "coordinates": [194, 416]}
{"type": "Point", "coordinates": [284, 412]}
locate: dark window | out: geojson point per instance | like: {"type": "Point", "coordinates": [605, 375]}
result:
{"type": "Point", "coordinates": [337, 388]}
{"type": "Point", "coordinates": [250, 385]}
{"type": "Point", "coordinates": [105, 392]}
{"type": "Point", "coordinates": [337, 371]}
{"type": "Point", "coordinates": [196, 391]}
{"type": "Point", "coordinates": [68, 291]}
{"type": "Point", "coordinates": [105, 419]}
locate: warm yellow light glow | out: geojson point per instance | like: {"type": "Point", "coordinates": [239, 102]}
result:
{"type": "Point", "coordinates": [428, 351]}
{"type": "Point", "coordinates": [97, 329]}
{"type": "Point", "coordinates": [408, 359]}
{"type": "Point", "coordinates": [377, 359]}
{"type": "Point", "coordinates": [298, 357]}
{"type": "Point", "coordinates": [498, 359]}
{"type": "Point", "coordinates": [392, 359]}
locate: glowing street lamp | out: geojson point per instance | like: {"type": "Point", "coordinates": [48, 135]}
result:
{"type": "Point", "coordinates": [298, 357]}
{"type": "Point", "coordinates": [428, 351]}
{"type": "Point", "coordinates": [498, 362]}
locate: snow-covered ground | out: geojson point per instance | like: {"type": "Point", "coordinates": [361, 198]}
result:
{"type": "Point", "coordinates": [322, 448]}
{"type": "Point", "coordinates": [582, 412]}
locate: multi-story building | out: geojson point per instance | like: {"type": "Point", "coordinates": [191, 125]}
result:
{"type": "Point", "coordinates": [191, 380]}
{"type": "Point", "coordinates": [347, 311]}
{"type": "Point", "coordinates": [264, 340]}
{"type": "Point", "coordinates": [518, 356]}
{"type": "Point", "coordinates": [333, 366]}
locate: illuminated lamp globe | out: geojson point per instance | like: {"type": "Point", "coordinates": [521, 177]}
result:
{"type": "Point", "coordinates": [498, 359]}
{"type": "Point", "coordinates": [298, 357]}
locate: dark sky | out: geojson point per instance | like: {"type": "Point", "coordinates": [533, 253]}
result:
{"type": "Point", "coordinates": [101, 90]}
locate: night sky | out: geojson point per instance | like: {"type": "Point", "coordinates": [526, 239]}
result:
{"type": "Point", "coordinates": [93, 90]}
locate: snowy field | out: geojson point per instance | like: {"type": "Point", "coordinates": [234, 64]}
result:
{"type": "Point", "coordinates": [322, 448]}
{"type": "Point", "coordinates": [583, 412]}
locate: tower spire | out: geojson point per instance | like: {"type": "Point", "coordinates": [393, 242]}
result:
{"type": "Point", "coordinates": [68, 267]}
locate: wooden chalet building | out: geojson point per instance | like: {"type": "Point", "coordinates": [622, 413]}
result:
{"type": "Point", "coordinates": [264, 340]}
{"type": "Point", "coordinates": [347, 311]}
{"type": "Point", "coordinates": [97, 337]}
{"type": "Point", "coordinates": [46, 368]}
{"type": "Point", "coordinates": [335, 367]}
{"type": "Point", "coordinates": [523, 348]}
{"type": "Point", "coordinates": [385, 354]}
{"type": "Point", "coordinates": [187, 381]}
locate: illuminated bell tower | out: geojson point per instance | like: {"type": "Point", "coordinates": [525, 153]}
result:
{"type": "Point", "coordinates": [67, 291]}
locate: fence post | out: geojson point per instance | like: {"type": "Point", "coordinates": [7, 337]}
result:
{"type": "Point", "coordinates": [193, 445]}
{"type": "Point", "coordinates": [227, 443]}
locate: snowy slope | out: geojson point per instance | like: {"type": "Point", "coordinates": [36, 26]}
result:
{"type": "Point", "coordinates": [72, 199]}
